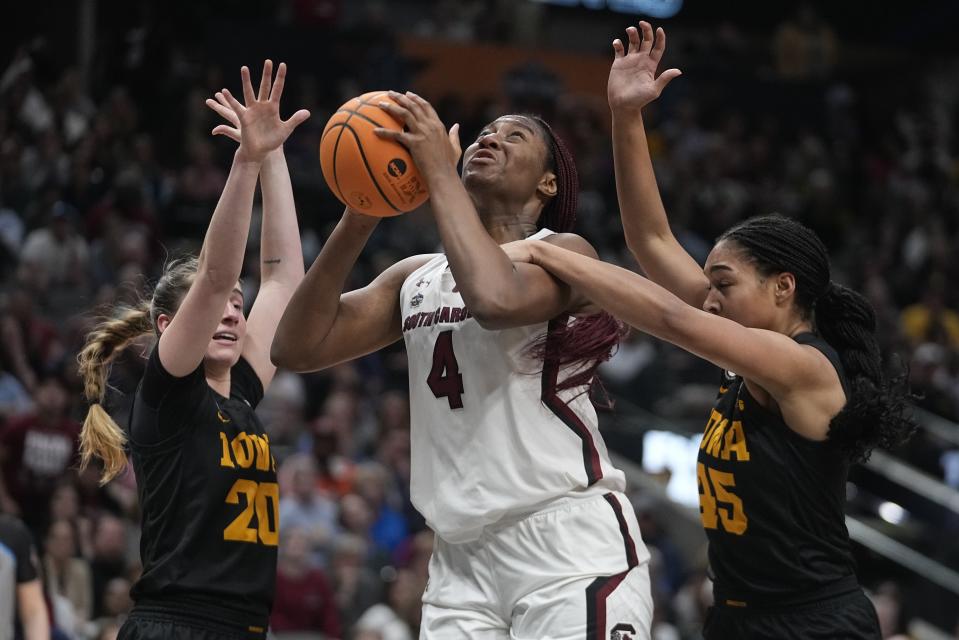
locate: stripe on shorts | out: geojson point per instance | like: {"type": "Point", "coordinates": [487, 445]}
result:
{"type": "Point", "coordinates": [599, 589]}
{"type": "Point", "coordinates": [550, 397]}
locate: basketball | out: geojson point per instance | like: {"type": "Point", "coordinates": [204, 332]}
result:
{"type": "Point", "coordinates": [376, 177]}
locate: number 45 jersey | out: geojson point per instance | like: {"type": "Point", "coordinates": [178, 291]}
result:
{"type": "Point", "coordinates": [492, 439]}
{"type": "Point", "coordinates": [771, 502]}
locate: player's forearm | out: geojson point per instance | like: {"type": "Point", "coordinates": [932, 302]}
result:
{"type": "Point", "coordinates": [640, 204]}
{"type": "Point", "coordinates": [33, 611]}
{"type": "Point", "coordinates": [626, 295]}
{"type": "Point", "coordinates": [37, 628]}
{"type": "Point", "coordinates": [221, 257]}
{"type": "Point", "coordinates": [313, 308]}
{"type": "Point", "coordinates": [645, 224]}
{"type": "Point", "coordinates": [484, 273]}
{"type": "Point", "coordinates": [281, 253]}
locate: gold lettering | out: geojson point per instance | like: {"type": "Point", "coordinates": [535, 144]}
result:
{"type": "Point", "coordinates": [239, 530]}
{"type": "Point", "coordinates": [735, 443]}
{"type": "Point", "coordinates": [262, 451]}
{"type": "Point", "coordinates": [263, 500]}
{"type": "Point", "coordinates": [714, 420]}
{"type": "Point", "coordinates": [243, 450]}
{"type": "Point", "coordinates": [225, 460]}
{"type": "Point", "coordinates": [707, 503]}
{"type": "Point", "coordinates": [733, 517]}
{"type": "Point", "coordinates": [716, 439]}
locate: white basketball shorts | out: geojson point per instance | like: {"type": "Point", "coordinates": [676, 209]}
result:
{"type": "Point", "coordinates": [577, 570]}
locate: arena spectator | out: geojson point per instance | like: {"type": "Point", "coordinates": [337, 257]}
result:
{"type": "Point", "coordinates": [37, 450]}
{"type": "Point", "coordinates": [65, 572]}
{"type": "Point", "coordinates": [304, 597]}
{"type": "Point", "coordinates": [21, 590]}
{"type": "Point", "coordinates": [302, 507]}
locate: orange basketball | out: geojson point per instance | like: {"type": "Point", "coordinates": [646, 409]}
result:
{"type": "Point", "coordinates": [374, 176]}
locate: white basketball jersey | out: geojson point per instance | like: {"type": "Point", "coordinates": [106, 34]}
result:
{"type": "Point", "coordinates": [491, 437]}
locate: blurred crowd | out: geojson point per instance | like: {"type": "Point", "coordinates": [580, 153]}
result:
{"type": "Point", "coordinates": [107, 172]}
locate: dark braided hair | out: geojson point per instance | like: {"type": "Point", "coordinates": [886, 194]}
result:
{"type": "Point", "coordinates": [875, 411]}
{"type": "Point", "coordinates": [586, 342]}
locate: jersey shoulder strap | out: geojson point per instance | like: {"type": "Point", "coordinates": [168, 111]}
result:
{"type": "Point", "coordinates": [827, 350]}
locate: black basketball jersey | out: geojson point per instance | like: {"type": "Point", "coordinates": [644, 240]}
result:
{"type": "Point", "coordinates": [208, 496]}
{"type": "Point", "coordinates": [771, 502]}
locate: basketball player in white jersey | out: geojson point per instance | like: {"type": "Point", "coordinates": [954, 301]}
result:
{"type": "Point", "coordinates": [535, 538]}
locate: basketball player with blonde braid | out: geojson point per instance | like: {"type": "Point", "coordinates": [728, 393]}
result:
{"type": "Point", "coordinates": [205, 476]}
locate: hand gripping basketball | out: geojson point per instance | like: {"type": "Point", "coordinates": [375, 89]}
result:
{"type": "Point", "coordinates": [432, 147]}
{"type": "Point", "coordinates": [372, 174]}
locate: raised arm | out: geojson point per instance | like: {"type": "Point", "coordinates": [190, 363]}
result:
{"type": "Point", "coordinates": [322, 326]}
{"type": "Point", "coordinates": [632, 85]}
{"type": "Point", "coordinates": [183, 342]}
{"type": "Point", "coordinates": [281, 255]}
{"type": "Point", "coordinates": [498, 293]}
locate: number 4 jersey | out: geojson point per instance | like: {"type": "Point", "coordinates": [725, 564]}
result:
{"type": "Point", "coordinates": [491, 437]}
{"type": "Point", "coordinates": [208, 496]}
{"type": "Point", "coordinates": [771, 502]}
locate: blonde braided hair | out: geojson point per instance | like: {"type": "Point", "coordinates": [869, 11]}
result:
{"type": "Point", "coordinates": [101, 436]}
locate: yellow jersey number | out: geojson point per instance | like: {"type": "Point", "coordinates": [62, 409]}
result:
{"type": "Point", "coordinates": [256, 494]}
{"type": "Point", "coordinates": [718, 505]}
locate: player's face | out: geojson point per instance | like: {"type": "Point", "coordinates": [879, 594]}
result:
{"type": "Point", "coordinates": [227, 343]}
{"type": "Point", "coordinates": [510, 152]}
{"type": "Point", "coordinates": [738, 291]}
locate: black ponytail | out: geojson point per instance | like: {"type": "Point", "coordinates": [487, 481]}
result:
{"type": "Point", "coordinates": [875, 413]}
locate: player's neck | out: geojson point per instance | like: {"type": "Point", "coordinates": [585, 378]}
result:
{"type": "Point", "coordinates": [219, 381]}
{"type": "Point", "coordinates": [503, 225]}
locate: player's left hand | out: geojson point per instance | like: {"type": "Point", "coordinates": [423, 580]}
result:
{"type": "Point", "coordinates": [260, 130]}
{"type": "Point", "coordinates": [234, 130]}
{"type": "Point", "coordinates": [633, 82]}
{"type": "Point", "coordinates": [433, 147]}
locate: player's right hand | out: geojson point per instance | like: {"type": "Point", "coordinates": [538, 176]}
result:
{"type": "Point", "coordinates": [519, 251]}
{"type": "Point", "coordinates": [261, 130]}
{"type": "Point", "coordinates": [633, 82]}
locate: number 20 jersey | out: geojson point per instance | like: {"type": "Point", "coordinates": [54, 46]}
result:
{"type": "Point", "coordinates": [491, 437]}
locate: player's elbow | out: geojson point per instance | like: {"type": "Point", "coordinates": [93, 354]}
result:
{"type": "Point", "coordinates": [282, 354]}
{"type": "Point", "coordinates": [490, 313]}
{"type": "Point", "coordinates": [634, 245]}
{"type": "Point", "coordinates": [491, 322]}
{"type": "Point", "coordinates": [301, 355]}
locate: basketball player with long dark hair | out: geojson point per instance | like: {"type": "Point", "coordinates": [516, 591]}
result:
{"type": "Point", "coordinates": [534, 537]}
{"type": "Point", "coordinates": [803, 397]}
{"type": "Point", "coordinates": [205, 476]}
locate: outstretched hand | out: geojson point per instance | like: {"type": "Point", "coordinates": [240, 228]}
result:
{"type": "Point", "coordinates": [633, 82]}
{"type": "Point", "coordinates": [257, 125]}
{"type": "Point", "coordinates": [428, 141]}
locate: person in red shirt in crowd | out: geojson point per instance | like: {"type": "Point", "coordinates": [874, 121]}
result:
{"type": "Point", "coordinates": [304, 599]}
{"type": "Point", "coordinates": [28, 342]}
{"type": "Point", "coordinates": [36, 450]}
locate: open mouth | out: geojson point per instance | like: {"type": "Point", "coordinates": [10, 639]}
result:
{"type": "Point", "coordinates": [483, 154]}
{"type": "Point", "coordinates": [225, 337]}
